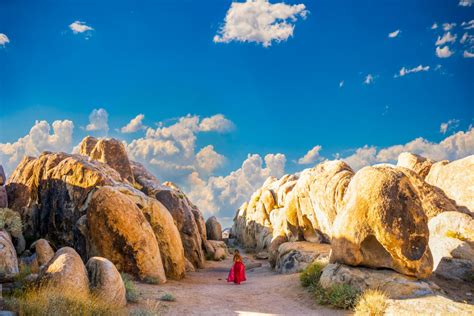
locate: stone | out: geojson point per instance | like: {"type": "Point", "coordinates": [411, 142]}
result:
{"type": "Point", "coordinates": [119, 231]}
{"type": "Point", "coordinates": [416, 163]}
{"type": "Point", "coordinates": [213, 229]}
{"type": "Point", "coordinates": [146, 180]}
{"type": "Point", "coordinates": [3, 197]}
{"type": "Point", "coordinates": [262, 255]}
{"type": "Point", "coordinates": [395, 285]}
{"type": "Point", "coordinates": [105, 281]}
{"type": "Point", "coordinates": [3, 177]}
{"type": "Point", "coordinates": [294, 257]}
{"type": "Point", "coordinates": [456, 179]}
{"type": "Point", "coordinates": [8, 258]}
{"type": "Point", "coordinates": [65, 271]}
{"type": "Point", "coordinates": [449, 223]}
{"type": "Point", "coordinates": [433, 304]}
{"type": "Point", "coordinates": [455, 269]}
{"type": "Point", "coordinates": [382, 224]}
{"type": "Point", "coordinates": [216, 250]}
{"type": "Point", "coordinates": [43, 251]}
{"type": "Point", "coordinates": [189, 266]}
{"type": "Point", "coordinates": [273, 249]}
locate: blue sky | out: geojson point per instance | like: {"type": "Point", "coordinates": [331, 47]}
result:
{"type": "Point", "coordinates": [159, 59]}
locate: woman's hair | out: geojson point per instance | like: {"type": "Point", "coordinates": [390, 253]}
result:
{"type": "Point", "coordinates": [237, 255]}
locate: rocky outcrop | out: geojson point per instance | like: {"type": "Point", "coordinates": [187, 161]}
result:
{"type": "Point", "coordinates": [3, 177]}
{"type": "Point", "coordinates": [293, 257]}
{"type": "Point", "coordinates": [216, 250]}
{"type": "Point", "coordinates": [416, 163]}
{"type": "Point", "coordinates": [105, 281]}
{"type": "Point", "coordinates": [213, 229]}
{"type": "Point", "coordinates": [43, 251]}
{"type": "Point", "coordinates": [65, 271]}
{"type": "Point", "coordinates": [3, 197]}
{"type": "Point", "coordinates": [382, 224]}
{"type": "Point", "coordinates": [393, 284]}
{"type": "Point", "coordinates": [456, 179]}
{"type": "Point", "coordinates": [8, 258]}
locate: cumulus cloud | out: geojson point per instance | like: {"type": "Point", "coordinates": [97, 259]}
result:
{"type": "Point", "coordinates": [311, 156]}
{"type": "Point", "coordinates": [447, 38]}
{"type": "Point", "coordinates": [98, 121]}
{"type": "Point", "coordinates": [465, 3]}
{"type": "Point", "coordinates": [453, 147]}
{"type": "Point", "coordinates": [134, 125]}
{"type": "Point", "coordinates": [405, 71]}
{"type": "Point", "coordinates": [394, 34]}
{"type": "Point", "coordinates": [208, 160]}
{"type": "Point", "coordinates": [448, 26]}
{"type": "Point", "coordinates": [468, 25]}
{"type": "Point", "coordinates": [467, 54]}
{"type": "Point", "coordinates": [79, 27]}
{"type": "Point", "coordinates": [369, 79]}
{"type": "Point", "coordinates": [217, 123]}
{"type": "Point", "coordinates": [259, 21]}
{"type": "Point", "coordinates": [434, 26]}
{"type": "Point", "coordinates": [39, 139]}
{"type": "Point", "coordinates": [443, 52]}
{"type": "Point", "coordinates": [4, 39]}
{"type": "Point", "coordinates": [449, 125]}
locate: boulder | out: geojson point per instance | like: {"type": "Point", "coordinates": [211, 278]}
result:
{"type": "Point", "coordinates": [453, 223]}
{"type": "Point", "coordinates": [43, 251]}
{"type": "Point", "coordinates": [3, 197]}
{"type": "Point", "coordinates": [118, 231]}
{"type": "Point", "coordinates": [460, 270]}
{"type": "Point", "coordinates": [105, 281]}
{"type": "Point", "coordinates": [273, 249]}
{"type": "Point", "coordinates": [213, 229]}
{"type": "Point", "coordinates": [427, 305]}
{"type": "Point", "coordinates": [111, 152]}
{"type": "Point", "coordinates": [3, 177]}
{"type": "Point", "coordinates": [456, 179]}
{"type": "Point", "coordinates": [394, 285]}
{"type": "Point", "coordinates": [8, 258]}
{"type": "Point", "coordinates": [189, 266]}
{"type": "Point", "coordinates": [416, 163]}
{"type": "Point", "coordinates": [216, 250]}
{"type": "Point", "coordinates": [294, 257]}
{"type": "Point", "coordinates": [65, 271]}
{"type": "Point", "coordinates": [382, 224]}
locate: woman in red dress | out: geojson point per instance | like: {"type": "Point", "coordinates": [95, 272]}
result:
{"type": "Point", "coordinates": [237, 272]}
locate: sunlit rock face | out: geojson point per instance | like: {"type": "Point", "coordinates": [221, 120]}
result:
{"type": "Point", "coordinates": [71, 200]}
{"type": "Point", "coordinates": [418, 164]}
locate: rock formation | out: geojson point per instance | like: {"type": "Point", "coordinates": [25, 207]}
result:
{"type": "Point", "coordinates": [8, 259]}
{"type": "Point", "coordinates": [213, 229]}
{"type": "Point", "coordinates": [418, 164]}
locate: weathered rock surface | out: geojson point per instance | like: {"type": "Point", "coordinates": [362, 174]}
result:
{"type": "Point", "coordinates": [450, 223]}
{"type": "Point", "coordinates": [456, 179]}
{"type": "Point", "coordinates": [3, 177]}
{"type": "Point", "coordinates": [44, 252]}
{"type": "Point", "coordinates": [418, 164]}
{"type": "Point", "coordinates": [8, 259]}
{"type": "Point", "coordinates": [395, 285]}
{"type": "Point", "coordinates": [382, 224]}
{"type": "Point", "coordinates": [3, 197]}
{"type": "Point", "coordinates": [427, 305]}
{"type": "Point", "coordinates": [216, 250]}
{"type": "Point", "coordinates": [294, 257]}
{"type": "Point", "coordinates": [119, 231]}
{"type": "Point", "coordinates": [105, 281]}
{"type": "Point", "coordinates": [65, 271]}
{"type": "Point", "coordinates": [213, 229]}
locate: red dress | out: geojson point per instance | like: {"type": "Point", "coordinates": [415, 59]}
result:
{"type": "Point", "coordinates": [237, 273]}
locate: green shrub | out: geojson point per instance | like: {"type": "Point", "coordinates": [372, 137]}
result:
{"type": "Point", "coordinates": [130, 289]}
{"type": "Point", "coordinates": [168, 297]}
{"type": "Point", "coordinates": [151, 280]}
{"type": "Point", "coordinates": [11, 222]}
{"type": "Point", "coordinates": [341, 296]}
{"type": "Point", "coordinates": [311, 274]}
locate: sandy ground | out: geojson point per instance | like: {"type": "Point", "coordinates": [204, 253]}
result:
{"type": "Point", "coordinates": [206, 292]}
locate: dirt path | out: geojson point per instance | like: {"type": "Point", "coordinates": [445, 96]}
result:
{"type": "Point", "coordinates": [206, 292]}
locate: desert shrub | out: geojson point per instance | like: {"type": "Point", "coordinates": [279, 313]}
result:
{"type": "Point", "coordinates": [209, 256]}
{"type": "Point", "coordinates": [456, 235]}
{"type": "Point", "coordinates": [341, 296]}
{"type": "Point", "coordinates": [130, 289]}
{"type": "Point", "coordinates": [151, 308]}
{"type": "Point", "coordinates": [168, 297]}
{"type": "Point", "coordinates": [151, 280]}
{"type": "Point", "coordinates": [311, 274]}
{"type": "Point", "coordinates": [371, 303]}
{"type": "Point", "coordinates": [47, 300]}
{"type": "Point", "coordinates": [11, 222]}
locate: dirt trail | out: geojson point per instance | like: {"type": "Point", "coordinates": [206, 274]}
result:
{"type": "Point", "coordinates": [206, 292]}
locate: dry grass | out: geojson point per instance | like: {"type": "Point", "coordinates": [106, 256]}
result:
{"type": "Point", "coordinates": [372, 303]}
{"type": "Point", "coordinates": [48, 300]}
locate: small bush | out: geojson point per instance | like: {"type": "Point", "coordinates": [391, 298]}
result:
{"type": "Point", "coordinates": [11, 222]}
{"type": "Point", "coordinates": [151, 309]}
{"type": "Point", "coordinates": [311, 274]}
{"type": "Point", "coordinates": [168, 297]}
{"type": "Point", "coordinates": [456, 235]}
{"type": "Point", "coordinates": [130, 289]}
{"type": "Point", "coordinates": [372, 303]}
{"type": "Point", "coordinates": [151, 280]}
{"type": "Point", "coordinates": [209, 256]}
{"type": "Point", "coordinates": [341, 296]}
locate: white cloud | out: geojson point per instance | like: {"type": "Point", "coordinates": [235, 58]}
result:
{"type": "Point", "coordinates": [259, 21]}
{"type": "Point", "coordinates": [217, 123]}
{"type": "Point", "coordinates": [208, 160]}
{"type": "Point", "coordinates": [447, 38]}
{"type": "Point", "coordinates": [369, 79]}
{"type": "Point", "coordinates": [452, 147]}
{"type": "Point", "coordinates": [4, 39]}
{"type": "Point", "coordinates": [98, 121]}
{"type": "Point", "coordinates": [341, 83]}
{"type": "Point", "coordinates": [467, 54]}
{"type": "Point", "coordinates": [465, 3]}
{"type": "Point", "coordinates": [468, 25]}
{"type": "Point", "coordinates": [434, 26]}
{"type": "Point", "coordinates": [443, 52]}
{"type": "Point", "coordinates": [449, 125]}
{"type": "Point", "coordinates": [448, 26]}
{"type": "Point", "coordinates": [311, 156]}
{"type": "Point", "coordinates": [404, 71]}
{"type": "Point", "coordinates": [464, 38]}
{"type": "Point", "coordinates": [134, 125]}
{"type": "Point", "coordinates": [38, 140]}
{"type": "Point", "coordinates": [394, 34]}
{"type": "Point", "coordinates": [79, 27]}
